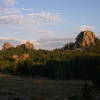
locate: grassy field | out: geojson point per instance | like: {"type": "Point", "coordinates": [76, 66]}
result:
{"type": "Point", "coordinates": [19, 88]}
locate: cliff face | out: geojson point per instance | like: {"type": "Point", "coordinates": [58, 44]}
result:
{"type": "Point", "coordinates": [85, 39]}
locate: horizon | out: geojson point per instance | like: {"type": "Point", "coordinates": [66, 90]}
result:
{"type": "Point", "coordinates": [37, 45]}
{"type": "Point", "coordinates": [48, 23]}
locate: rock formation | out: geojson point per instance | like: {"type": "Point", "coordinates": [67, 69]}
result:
{"type": "Point", "coordinates": [22, 57]}
{"type": "Point", "coordinates": [28, 45]}
{"type": "Point", "coordinates": [15, 58]}
{"type": "Point", "coordinates": [85, 39]}
{"type": "Point", "coordinates": [6, 46]}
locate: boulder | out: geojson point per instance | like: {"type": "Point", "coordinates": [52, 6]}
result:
{"type": "Point", "coordinates": [24, 56]}
{"type": "Point", "coordinates": [6, 46]}
{"type": "Point", "coordinates": [21, 57]}
{"type": "Point", "coordinates": [85, 39]}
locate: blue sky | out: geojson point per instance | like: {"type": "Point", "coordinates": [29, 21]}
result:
{"type": "Point", "coordinates": [48, 22]}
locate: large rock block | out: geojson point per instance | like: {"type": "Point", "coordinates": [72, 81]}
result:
{"type": "Point", "coordinates": [85, 39]}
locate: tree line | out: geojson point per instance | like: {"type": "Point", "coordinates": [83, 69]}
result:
{"type": "Point", "coordinates": [61, 63]}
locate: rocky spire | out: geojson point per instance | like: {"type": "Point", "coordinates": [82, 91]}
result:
{"type": "Point", "coordinates": [85, 39]}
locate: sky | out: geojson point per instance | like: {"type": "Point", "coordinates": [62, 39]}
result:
{"type": "Point", "coordinates": [48, 23]}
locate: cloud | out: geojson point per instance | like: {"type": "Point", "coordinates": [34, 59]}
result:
{"type": "Point", "coordinates": [34, 18]}
{"type": "Point", "coordinates": [9, 11]}
{"type": "Point", "coordinates": [82, 28]}
{"type": "Point", "coordinates": [46, 15]}
{"type": "Point", "coordinates": [42, 18]}
{"type": "Point", "coordinates": [12, 38]}
{"type": "Point", "coordinates": [25, 20]}
{"type": "Point", "coordinates": [30, 22]}
{"type": "Point", "coordinates": [53, 43]}
{"type": "Point", "coordinates": [9, 2]}
{"type": "Point", "coordinates": [24, 9]}
{"type": "Point", "coordinates": [35, 30]}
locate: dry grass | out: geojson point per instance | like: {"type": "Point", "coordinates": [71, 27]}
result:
{"type": "Point", "coordinates": [17, 88]}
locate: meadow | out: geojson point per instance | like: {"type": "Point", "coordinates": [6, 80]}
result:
{"type": "Point", "coordinates": [25, 88]}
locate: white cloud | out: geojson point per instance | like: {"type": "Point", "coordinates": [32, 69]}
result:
{"type": "Point", "coordinates": [25, 20]}
{"type": "Point", "coordinates": [38, 30]}
{"type": "Point", "coordinates": [24, 9]}
{"type": "Point", "coordinates": [30, 22]}
{"type": "Point", "coordinates": [34, 18]}
{"type": "Point", "coordinates": [82, 28]}
{"type": "Point", "coordinates": [35, 30]}
{"type": "Point", "coordinates": [9, 2]}
{"type": "Point", "coordinates": [12, 38]}
{"type": "Point", "coordinates": [13, 11]}
{"type": "Point", "coordinates": [47, 16]}
{"type": "Point", "coordinates": [52, 43]}
{"type": "Point", "coordinates": [9, 11]}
